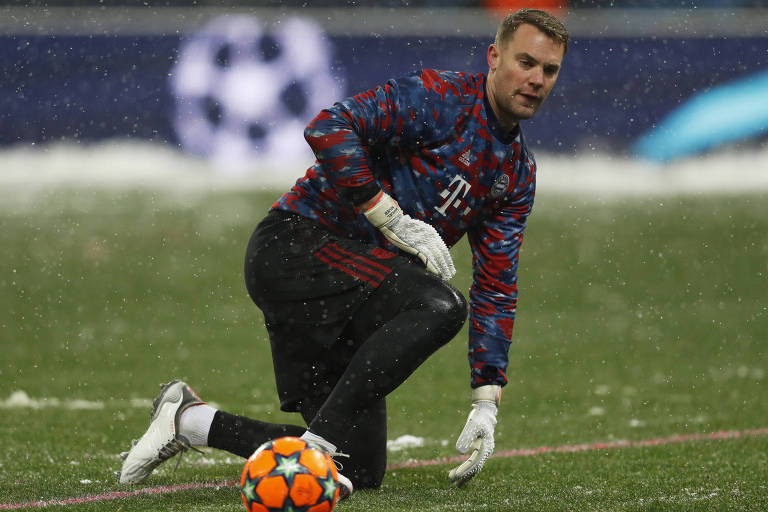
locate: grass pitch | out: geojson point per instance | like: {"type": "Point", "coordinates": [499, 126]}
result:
{"type": "Point", "coordinates": [638, 320]}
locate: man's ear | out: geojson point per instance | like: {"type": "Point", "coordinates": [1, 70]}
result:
{"type": "Point", "coordinates": [493, 57]}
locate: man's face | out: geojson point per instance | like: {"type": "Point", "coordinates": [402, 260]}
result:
{"type": "Point", "coordinates": [521, 73]}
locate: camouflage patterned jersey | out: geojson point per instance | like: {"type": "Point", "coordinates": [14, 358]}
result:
{"type": "Point", "coordinates": [432, 142]}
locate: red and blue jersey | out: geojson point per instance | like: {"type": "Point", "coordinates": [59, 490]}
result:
{"type": "Point", "coordinates": [432, 142]}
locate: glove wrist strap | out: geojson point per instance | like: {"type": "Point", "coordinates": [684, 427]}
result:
{"type": "Point", "coordinates": [489, 393]}
{"type": "Point", "coordinates": [384, 209]}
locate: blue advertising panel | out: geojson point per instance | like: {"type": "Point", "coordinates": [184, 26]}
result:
{"type": "Point", "coordinates": [237, 88]}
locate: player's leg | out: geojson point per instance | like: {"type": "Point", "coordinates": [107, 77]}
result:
{"type": "Point", "coordinates": [241, 436]}
{"type": "Point", "coordinates": [348, 323]}
{"type": "Point", "coordinates": [181, 420]}
{"type": "Point", "coordinates": [410, 316]}
{"type": "Point", "coordinates": [306, 361]}
{"type": "Point", "coordinates": [364, 443]}
{"type": "Point", "coordinates": [309, 283]}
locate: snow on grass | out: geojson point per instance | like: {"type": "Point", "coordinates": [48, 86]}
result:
{"type": "Point", "coordinates": [29, 169]}
{"type": "Point", "coordinates": [19, 399]}
{"type": "Point", "coordinates": [405, 442]}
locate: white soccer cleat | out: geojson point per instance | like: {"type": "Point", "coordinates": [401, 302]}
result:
{"type": "Point", "coordinates": [346, 489]}
{"type": "Point", "coordinates": [318, 442]}
{"type": "Point", "coordinates": [162, 440]}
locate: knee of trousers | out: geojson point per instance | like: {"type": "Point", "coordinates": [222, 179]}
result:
{"type": "Point", "coordinates": [445, 304]}
{"type": "Point", "coordinates": [451, 305]}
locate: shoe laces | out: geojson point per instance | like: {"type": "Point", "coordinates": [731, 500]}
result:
{"type": "Point", "coordinates": [174, 446]}
{"type": "Point", "coordinates": [338, 464]}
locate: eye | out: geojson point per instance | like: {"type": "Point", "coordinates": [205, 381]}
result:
{"type": "Point", "coordinates": [551, 70]}
{"type": "Point", "coordinates": [526, 63]}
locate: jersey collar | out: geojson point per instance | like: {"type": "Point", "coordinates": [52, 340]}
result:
{"type": "Point", "coordinates": [493, 123]}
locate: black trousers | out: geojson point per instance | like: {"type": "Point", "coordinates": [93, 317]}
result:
{"type": "Point", "coordinates": [348, 323]}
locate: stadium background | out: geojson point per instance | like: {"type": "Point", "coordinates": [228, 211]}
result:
{"type": "Point", "coordinates": [637, 372]}
{"type": "Point", "coordinates": [641, 78]}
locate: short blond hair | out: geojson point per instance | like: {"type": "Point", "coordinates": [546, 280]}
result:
{"type": "Point", "coordinates": [544, 21]}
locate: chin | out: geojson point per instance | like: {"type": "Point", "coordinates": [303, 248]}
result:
{"type": "Point", "coordinates": [522, 115]}
{"type": "Point", "coordinates": [521, 112]}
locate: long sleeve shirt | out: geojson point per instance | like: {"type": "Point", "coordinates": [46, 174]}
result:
{"type": "Point", "coordinates": [432, 142]}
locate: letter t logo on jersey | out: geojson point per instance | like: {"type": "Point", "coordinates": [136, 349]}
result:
{"type": "Point", "coordinates": [452, 195]}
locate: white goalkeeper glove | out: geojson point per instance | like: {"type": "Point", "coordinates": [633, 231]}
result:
{"type": "Point", "coordinates": [477, 436]}
{"type": "Point", "coordinates": [411, 235]}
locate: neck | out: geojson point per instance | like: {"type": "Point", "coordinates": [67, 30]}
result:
{"type": "Point", "coordinates": [507, 122]}
{"type": "Point", "coordinates": [504, 133]}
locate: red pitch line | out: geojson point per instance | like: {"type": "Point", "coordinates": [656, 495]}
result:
{"type": "Point", "coordinates": [677, 438]}
{"type": "Point", "coordinates": [107, 496]}
{"type": "Point", "coordinates": [166, 489]}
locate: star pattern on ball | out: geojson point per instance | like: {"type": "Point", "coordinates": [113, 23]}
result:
{"type": "Point", "coordinates": [288, 466]}
{"type": "Point", "coordinates": [249, 490]}
{"type": "Point", "coordinates": [329, 487]}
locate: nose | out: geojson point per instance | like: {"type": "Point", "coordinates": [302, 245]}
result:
{"type": "Point", "coordinates": [536, 77]}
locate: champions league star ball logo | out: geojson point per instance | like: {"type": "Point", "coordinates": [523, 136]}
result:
{"type": "Point", "coordinates": [245, 91]}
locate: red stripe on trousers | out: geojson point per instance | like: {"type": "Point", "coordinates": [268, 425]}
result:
{"type": "Point", "coordinates": [348, 270]}
{"type": "Point", "coordinates": [365, 260]}
{"type": "Point", "coordinates": [349, 266]}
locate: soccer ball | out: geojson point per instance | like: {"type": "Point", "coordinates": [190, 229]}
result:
{"type": "Point", "coordinates": [289, 474]}
{"type": "Point", "coordinates": [245, 89]}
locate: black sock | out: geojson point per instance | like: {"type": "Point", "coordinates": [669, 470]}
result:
{"type": "Point", "coordinates": [241, 436]}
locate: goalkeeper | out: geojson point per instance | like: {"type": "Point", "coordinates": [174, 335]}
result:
{"type": "Point", "coordinates": [351, 267]}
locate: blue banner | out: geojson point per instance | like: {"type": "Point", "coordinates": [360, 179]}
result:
{"type": "Point", "coordinates": [611, 92]}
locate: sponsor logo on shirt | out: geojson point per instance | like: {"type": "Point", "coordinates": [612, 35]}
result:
{"type": "Point", "coordinates": [455, 195]}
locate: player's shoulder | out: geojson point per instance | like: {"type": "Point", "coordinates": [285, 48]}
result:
{"type": "Point", "coordinates": [444, 83]}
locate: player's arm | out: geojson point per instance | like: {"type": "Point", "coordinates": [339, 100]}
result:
{"type": "Point", "coordinates": [493, 302]}
{"type": "Point", "coordinates": [341, 137]}
{"type": "Point", "coordinates": [401, 112]}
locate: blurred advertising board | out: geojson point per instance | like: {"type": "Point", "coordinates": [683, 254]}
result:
{"type": "Point", "coordinates": [238, 85]}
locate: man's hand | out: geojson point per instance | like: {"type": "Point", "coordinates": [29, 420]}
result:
{"type": "Point", "coordinates": [411, 235]}
{"type": "Point", "coordinates": [477, 436]}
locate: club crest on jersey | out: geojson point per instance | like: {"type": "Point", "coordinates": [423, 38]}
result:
{"type": "Point", "coordinates": [500, 186]}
